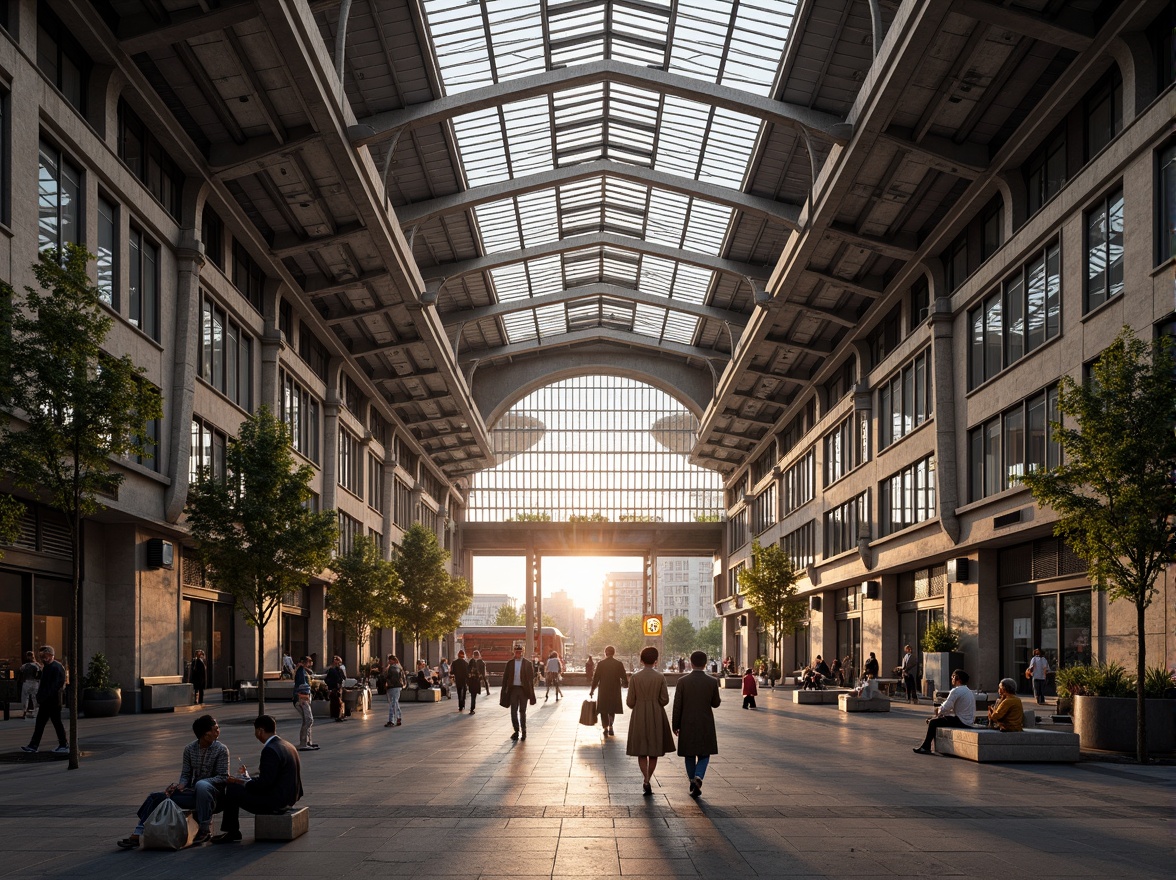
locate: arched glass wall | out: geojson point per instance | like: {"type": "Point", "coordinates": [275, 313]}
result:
{"type": "Point", "coordinates": [597, 448]}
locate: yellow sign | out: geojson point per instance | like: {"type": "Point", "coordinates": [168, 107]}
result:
{"type": "Point", "coordinates": [651, 625]}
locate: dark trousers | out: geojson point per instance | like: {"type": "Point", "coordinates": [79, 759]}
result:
{"type": "Point", "coordinates": [749, 702]}
{"type": "Point", "coordinates": [1039, 690]}
{"type": "Point", "coordinates": [236, 799]}
{"type": "Point", "coordinates": [336, 704]}
{"type": "Point", "coordinates": [908, 682]}
{"type": "Point", "coordinates": [461, 695]}
{"type": "Point", "coordinates": [933, 724]}
{"type": "Point", "coordinates": [50, 711]}
{"type": "Point", "coordinates": [518, 708]}
{"type": "Point", "coordinates": [198, 693]}
{"type": "Point", "coordinates": [474, 697]}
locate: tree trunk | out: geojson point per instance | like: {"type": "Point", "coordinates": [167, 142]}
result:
{"type": "Point", "coordinates": [75, 689]}
{"type": "Point", "coordinates": [260, 668]}
{"type": "Point", "coordinates": [1140, 673]}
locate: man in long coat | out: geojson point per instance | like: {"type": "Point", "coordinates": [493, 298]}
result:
{"type": "Point", "coordinates": [518, 691]}
{"type": "Point", "coordinates": [695, 699]}
{"type": "Point", "coordinates": [608, 678]}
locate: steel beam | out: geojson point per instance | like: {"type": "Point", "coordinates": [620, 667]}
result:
{"type": "Point", "coordinates": [143, 34]}
{"type": "Point", "coordinates": [382, 125]}
{"type": "Point", "coordinates": [784, 212]}
{"type": "Point", "coordinates": [1069, 29]}
{"type": "Point", "coordinates": [596, 334]}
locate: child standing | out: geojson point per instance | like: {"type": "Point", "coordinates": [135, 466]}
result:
{"type": "Point", "coordinates": [749, 690]}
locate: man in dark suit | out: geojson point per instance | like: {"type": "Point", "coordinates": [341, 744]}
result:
{"type": "Point", "coordinates": [49, 703]}
{"type": "Point", "coordinates": [695, 699]}
{"type": "Point", "coordinates": [518, 689]}
{"type": "Point", "coordinates": [278, 783]}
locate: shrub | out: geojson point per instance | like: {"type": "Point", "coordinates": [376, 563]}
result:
{"type": "Point", "coordinates": [97, 675]}
{"type": "Point", "coordinates": [939, 637]}
{"type": "Point", "coordinates": [1158, 682]}
{"type": "Point", "coordinates": [1097, 680]}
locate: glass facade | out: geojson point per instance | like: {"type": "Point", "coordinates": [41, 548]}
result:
{"type": "Point", "coordinates": [595, 447]}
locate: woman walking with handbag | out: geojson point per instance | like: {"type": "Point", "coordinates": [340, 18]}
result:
{"type": "Point", "coordinates": [395, 677]}
{"type": "Point", "coordinates": [649, 728]}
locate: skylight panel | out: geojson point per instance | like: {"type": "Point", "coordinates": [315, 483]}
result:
{"type": "Point", "coordinates": [667, 214]}
{"type": "Point", "coordinates": [657, 274]}
{"type": "Point", "coordinates": [680, 327]}
{"type": "Point", "coordinates": [550, 320]}
{"type": "Point", "coordinates": [538, 217]}
{"type": "Point", "coordinates": [459, 44]}
{"type": "Point", "coordinates": [648, 320]}
{"type": "Point", "coordinates": [498, 226]}
{"type": "Point", "coordinates": [519, 326]}
{"type": "Point", "coordinates": [546, 274]}
{"type": "Point", "coordinates": [510, 282]}
{"type": "Point", "coordinates": [516, 35]}
{"type": "Point", "coordinates": [528, 132]}
{"type": "Point", "coordinates": [481, 142]}
{"type": "Point", "coordinates": [692, 283]}
{"type": "Point", "coordinates": [683, 129]}
{"type": "Point", "coordinates": [707, 227]}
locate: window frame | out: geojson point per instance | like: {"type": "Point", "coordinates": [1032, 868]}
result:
{"type": "Point", "coordinates": [1091, 299]}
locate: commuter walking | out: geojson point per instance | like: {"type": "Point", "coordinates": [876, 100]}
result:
{"type": "Point", "coordinates": [649, 728]}
{"type": "Point", "coordinates": [460, 670]}
{"type": "Point", "coordinates": [198, 677]}
{"type": "Point", "coordinates": [335, 677]}
{"type": "Point", "coordinates": [589, 668]}
{"type": "Point", "coordinates": [749, 690]}
{"type": "Point", "coordinates": [518, 691]}
{"type": "Point", "coordinates": [396, 679]}
{"type": "Point", "coordinates": [302, 704]}
{"type": "Point", "coordinates": [609, 677]}
{"type": "Point", "coordinates": [554, 668]}
{"type": "Point", "coordinates": [695, 699]}
{"type": "Point", "coordinates": [49, 701]}
{"type": "Point", "coordinates": [478, 678]}
{"type": "Point", "coordinates": [1037, 671]}
{"type": "Point", "coordinates": [908, 670]}
{"type": "Point", "coordinates": [30, 675]}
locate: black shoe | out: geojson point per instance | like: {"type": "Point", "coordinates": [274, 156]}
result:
{"type": "Point", "coordinates": [471, 711]}
{"type": "Point", "coordinates": [227, 837]}
{"type": "Point", "coordinates": [515, 735]}
{"type": "Point", "coordinates": [921, 751]}
{"type": "Point", "coordinates": [646, 789]}
{"type": "Point", "coordinates": [524, 736]}
{"type": "Point", "coordinates": [131, 842]}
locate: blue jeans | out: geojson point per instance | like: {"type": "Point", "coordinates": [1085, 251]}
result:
{"type": "Point", "coordinates": [394, 705]}
{"type": "Point", "coordinates": [202, 800]}
{"type": "Point", "coordinates": [696, 765]}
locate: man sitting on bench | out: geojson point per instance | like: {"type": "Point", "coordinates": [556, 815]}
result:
{"type": "Point", "coordinates": [278, 784]}
{"type": "Point", "coordinates": [958, 710]}
{"type": "Point", "coordinates": [205, 768]}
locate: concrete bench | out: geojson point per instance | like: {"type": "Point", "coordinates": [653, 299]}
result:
{"type": "Point", "coordinates": [853, 703]}
{"type": "Point", "coordinates": [983, 745]}
{"type": "Point", "coordinates": [281, 826]}
{"type": "Point", "coordinates": [162, 693]}
{"type": "Point", "coordinates": [419, 695]}
{"type": "Point", "coordinates": [282, 691]}
{"type": "Point", "coordinates": [828, 696]}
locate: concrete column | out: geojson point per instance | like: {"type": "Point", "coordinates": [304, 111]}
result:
{"type": "Point", "coordinates": [185, 351]}
{"type": "Point", "coordinates": [316, 629]}
{"type": "Point", "coordinates": [943, 371]}
{"type": "Point", "coordinates": [331, 436]}
{"type": "Point", "coordinates": [387, 522]}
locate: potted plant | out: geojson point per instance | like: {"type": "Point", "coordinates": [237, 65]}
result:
{"type": "Point", "coordinates": [941, 655]}
{"type": "Point", "coordinates": [1103, 697]}
{"type": "Point", "coordinates": [101, 698]}
{"type": "Point", "coordinates": [320, 706]}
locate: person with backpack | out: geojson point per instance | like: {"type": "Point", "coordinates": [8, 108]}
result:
{"type": "Point", "coordinates": [396, 681]}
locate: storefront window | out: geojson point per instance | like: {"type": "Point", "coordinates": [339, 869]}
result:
{"type": "Point", "coordinates": [208, 627]}
{"type": "Point", "coordinates": [52, 607]}
{"type": "Point", "coordinates": [1076, 650]}
{"type": "Point", "coordinates": [11, 644]}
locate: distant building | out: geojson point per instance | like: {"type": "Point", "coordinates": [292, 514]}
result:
{"type": "Point", "coordinates": [621, 595]}
{"type": "Point", "coordinates": [484, 608]}
{"type": "Point", "coordinates": [569, 618]}
{"type": "Point", "coordinates": [685, 588]}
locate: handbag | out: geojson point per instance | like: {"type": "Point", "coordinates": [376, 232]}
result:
{"type": "Point", "coordinates": [1029, 673]}
{"type": "Point", "coordinates": [168, 827]}
{"type": "Point", "coordinates": [588, 713]}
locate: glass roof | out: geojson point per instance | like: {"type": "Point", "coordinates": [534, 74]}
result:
{"type": "Point", "coordinates": [481, 42]}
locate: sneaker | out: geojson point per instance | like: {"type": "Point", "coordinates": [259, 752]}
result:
{"type": "Point", "coordinates": [202, 837]}
{"type": "Point", "coordinates": [60, 750]}
{"type": "Point", "coordinates": [390, 724]}
{"type": "Point", "coordinates": [32, 750]}
{"type": "Point", "coordinates": [227, 837]}
{"type": "Point", "coordinates": [919, 750]}
{"type": "Point", "coordinates": [131, 842]}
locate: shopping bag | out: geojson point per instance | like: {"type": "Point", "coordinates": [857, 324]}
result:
{"type": "Point", "coordinates": [168, 827]}
{"type": "Point", "coordinates": [588, 714]}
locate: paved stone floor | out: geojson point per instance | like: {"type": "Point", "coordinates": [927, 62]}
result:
{"type": "Point", "coordinates": [798, 791]}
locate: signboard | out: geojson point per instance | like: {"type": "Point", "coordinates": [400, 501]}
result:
{"type": "Point", "coordinates": [651, 625]}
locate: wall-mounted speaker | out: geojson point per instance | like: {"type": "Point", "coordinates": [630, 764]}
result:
{"type": "Point", "coordinates": [160, 553]}
{"type": "Point", "coordinates": [957, 570]}
{"type": "Point", "coordinates": [814, 603]}
{"type": "Point", "coordinates": [870, 589]}
{"type": "Point", "coordinates": [743, 620]}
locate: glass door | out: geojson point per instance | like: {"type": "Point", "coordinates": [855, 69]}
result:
{"type": "Point", "coordinates": [1017, 648]}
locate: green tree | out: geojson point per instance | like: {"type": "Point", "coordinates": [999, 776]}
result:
{"type": "Point", "coordinates": [527, 516]}
{"type": "Point", "coordinates": [548, 620]}
{"type": "Point", "coordinates": [712, 517]}
{"type": "Point", "coordinates": [508, 615]}
{"type": "Point", "coordinates": [1114, 492]}
{"type": "Point", "coordinates": [11, 513]}
{"type": "Point", "coordinates": [76, 409]}
{"type": "Point", "coordinates": [431, 601]}
{"type": "Point", "coordinates": [365, 589]}
{"type": "Point", "coordinates": [255, 533]}
{"type": "Point", "coordinates": [608, 633]}
{"type": "Point", "coordinates": [710, 638]}
{"type": "Point", "coordinates": [679, 636]}
{"type": "Point", "coordinates": [596, 517]}
{"type": "Point", "coordinates": [768, 586]}
{"type": "Point", "coordinates": [630, 638]}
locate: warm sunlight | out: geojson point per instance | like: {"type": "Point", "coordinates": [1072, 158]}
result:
{"type": "Point", "coordinates": [580, 576]}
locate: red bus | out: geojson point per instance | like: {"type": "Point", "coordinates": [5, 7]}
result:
{"type": "Point", "coordinates": [497, 643]}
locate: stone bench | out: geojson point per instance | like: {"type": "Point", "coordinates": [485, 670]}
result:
{"type": "Point", "coordinates": [163, 693]}
{"type": "Point", "coordinates": [281, 826]}
{"type": "Point", "coordinates": [817, 697]}
{"type": "Point", "coordinates": [983, 745]}
{"type": "Point", "coordinates": [418, 695]}
{"type": "Point", "coordinates": [853, 703]}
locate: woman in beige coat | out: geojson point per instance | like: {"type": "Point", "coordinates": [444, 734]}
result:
{"type": "Point", "coordinates": [649, 729]}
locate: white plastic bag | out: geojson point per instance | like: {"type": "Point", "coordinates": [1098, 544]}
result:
{"type": "Point", "coordinates": [168, 827]}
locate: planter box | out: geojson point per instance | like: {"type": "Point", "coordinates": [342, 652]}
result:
{"type": "Point", "coordinates": [1108, 724]}
{"type": "Point", "coordinates": [320, 708]}
{"type": "Point", "coordinates": [937, 667]}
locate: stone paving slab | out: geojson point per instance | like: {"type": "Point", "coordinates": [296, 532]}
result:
{"type": "Point", "coordinates": [797, 791]}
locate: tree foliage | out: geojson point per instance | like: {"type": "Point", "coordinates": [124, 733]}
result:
{"type": "Point", "coordinates": [679, 636]}
{"type": "Point", "coordinates": [768, 586]}
{"type": "Point", "coordinates": [529, 516]}
{"type": "Point", "coordinates": [596, 517]}
{"type": "Point", "coordinates": [76, 408]}
{"type": "Point", "coordinates": [11, 513]}
{"type": "Point", "coordinates": [431, 601]}
{"type": "Point", "coordinates": [1114, 492]}
{"type": "Point", "coordinates": [608, 633]}
{"type": "Point", "coordinates": [630, 637]}
{"type": "Point", "coordinates": [256, 536]}
{"type": "Point", "coordinates": [709, 638]}
{"type": "Point", "coordinates": [508, 615]}
{"type": "Point", "coordinates": [364, 592]}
